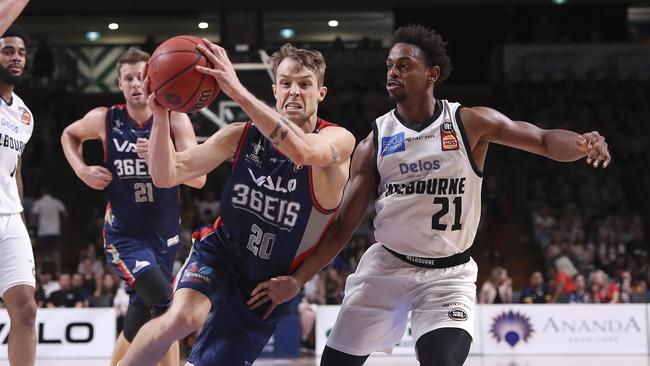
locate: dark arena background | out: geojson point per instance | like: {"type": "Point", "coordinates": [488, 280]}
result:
{"type": "Point", "coordinates": [561, 234]}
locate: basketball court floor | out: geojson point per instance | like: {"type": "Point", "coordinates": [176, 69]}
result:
{"type": "Point", "coordinates": [396, 361]}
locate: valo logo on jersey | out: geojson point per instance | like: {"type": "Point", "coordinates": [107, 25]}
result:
{"type": "Point", "coordinates": [419, 166]}
{"type": "Point", "coordinates": [392, 144]}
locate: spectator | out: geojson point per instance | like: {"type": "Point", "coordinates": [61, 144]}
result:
{"type": "Point", "coordinates": [497, 289]}
{"type": "Point", "coordinates": [66, 296]}
{"type": "Point", "coordinates": [105, 294]}
{"type": "Point", "coordinates": [538, 292]}
{"type": "Point", "coordinates": [331, 286]}
{"type": "Point", "coordinates": [78, 288]}
{"type": "Point", "coordinates": [47, 213]}
{"type": "Point", "coordinates": [601, 290]}
{"type": "Point", "coordinates": [579, 294]}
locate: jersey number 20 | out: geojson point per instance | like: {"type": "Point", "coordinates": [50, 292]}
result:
{"type": "Point", "coordinates": [260, 243]}
{"type": "Point", "coordinates": [444, 202]}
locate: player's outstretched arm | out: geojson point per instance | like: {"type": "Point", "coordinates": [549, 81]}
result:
{"type": "Point", "coordinates": [90, 127]}
{"type": "Point", "coordinates": [488, 125]}
{"type": "Point", "coordinates": [320, 150]}
{"type": "Point", "coordinates": [359, 193]}
{"type": "Point", "coordinates": [10, 9]}
{"type": "Point", "coordinates": [169, 168]}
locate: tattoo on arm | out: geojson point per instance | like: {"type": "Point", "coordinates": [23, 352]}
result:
{"type": "Point", "coordinates": [335, 155]}
{"type": "Point", "coordinates": [283, 131]}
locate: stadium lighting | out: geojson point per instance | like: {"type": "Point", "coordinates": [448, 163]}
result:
{"type": "Point", "coordinates": [113, 26]}
{"type": "Point", "coordinates": [559, 2]}
{"type": "Point", "coordinates": [93, 36]}
{"type": "Point", "coordinates": [203, 25]}
{"type": "Point", "coordinates": [333, 23]}
{"type": "Point", "coordinates": [287, 33]}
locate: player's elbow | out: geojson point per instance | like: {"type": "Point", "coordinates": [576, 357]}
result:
{"type": "Point", "coordinates": [197, 183]}
{"type": "Point", "coordinates": [162, 180]}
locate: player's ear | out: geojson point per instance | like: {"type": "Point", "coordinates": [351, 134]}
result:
{"type": "Point", "coordinates": [322, 91]}
{"type": "Point", "coordinates": [274, 91]}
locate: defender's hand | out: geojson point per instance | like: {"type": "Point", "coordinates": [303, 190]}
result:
{"type": "Point", "coordinates": [278, 290]}
{"type": "Point", "coordinates": [594, 145]}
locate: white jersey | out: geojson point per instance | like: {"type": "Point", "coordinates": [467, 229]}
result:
{"type": "Point", "coordinates": [16, 125]}
{"type": "Point", "coordinates": [429, 202]}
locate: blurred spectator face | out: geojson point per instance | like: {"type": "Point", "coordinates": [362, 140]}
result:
{"type": "Point", "coordinates": [332, 273]}
{"type": "Point", "coordinates": [91, 252]}
{"type": "Point", "coordinates": [88, 265]}
{"type": "Point", "coordinates": [77, 280]}
{"type": "Point", "coordinates": [45, 277]}
{"type": "Point", "coordinates": [536, 279]}
{"type": "Point", "coordinates": [579, 282]}
{"type": "Point", "coordinates": [599, 279]}
{"type": "Point", "coordinates": [64, 281]}
{"type": "Point", "coordinates": [108, 281]}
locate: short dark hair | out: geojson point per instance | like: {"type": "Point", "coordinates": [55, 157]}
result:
{"type": "Point", "coordinates": [310, 59]}
{"type": "Point", "coordinates": [15, 30]}
{"type": "Point", "coordinates": [132, 56]}
{"type": "Point", "coordinates": [431, 43]}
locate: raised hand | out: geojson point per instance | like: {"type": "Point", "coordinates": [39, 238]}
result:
{"type": "Point", "coordinates": [594, 145]}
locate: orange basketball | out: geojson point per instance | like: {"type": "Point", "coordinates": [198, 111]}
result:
{"type": "Point", "coordinates": [172, 75]}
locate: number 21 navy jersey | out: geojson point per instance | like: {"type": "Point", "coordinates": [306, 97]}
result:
{"type": "Point", "coordinates": [135, 205]}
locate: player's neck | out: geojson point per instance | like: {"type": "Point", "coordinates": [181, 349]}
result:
{"type": "Point", "coordinates": [417, 111]}
{"type": "Point", "coordinates": [5, 92]}
{"type": "Point", "coordinates": [139, 114]}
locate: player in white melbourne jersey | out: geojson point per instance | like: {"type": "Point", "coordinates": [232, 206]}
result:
{"type": "Point", "coordinates": [17, 268]}
{"type": "Point", "coordinates": [422, 166]}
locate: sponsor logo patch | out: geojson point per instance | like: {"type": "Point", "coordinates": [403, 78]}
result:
{"type": "Point", "coordinates": [457, 314]}
{"type": "Point", "coordinates": [392, 144]}
{"type": "Point", "coordinates": [448, 138]}
{"type": "Point", "coordinates": [26, 117]}
{"type": "Point", "coordinates": [196, 272]}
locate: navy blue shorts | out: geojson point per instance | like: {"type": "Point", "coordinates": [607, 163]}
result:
{"type": "Point", "coordinates": [233, 334]}
{"type": "Point", "coordinates": [132, 257]}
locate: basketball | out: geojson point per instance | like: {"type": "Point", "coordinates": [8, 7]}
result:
{"type": "Point", "coordinates": [172, 75]}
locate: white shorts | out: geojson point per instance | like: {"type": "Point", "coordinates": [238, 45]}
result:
{"type": "Point", "coordinates": [379, 295]}
{"type": "Point", "coordinates": [16, 256]}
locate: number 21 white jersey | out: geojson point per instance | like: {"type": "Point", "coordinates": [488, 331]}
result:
{"type": "Point", "coordinates": [429, 202]}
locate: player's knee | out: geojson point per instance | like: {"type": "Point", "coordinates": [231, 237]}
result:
{"type": "Point", "coordinates": [185, 322]}
{"type": "Point", "coordinates": [443, 347]}
{"type": "Point", "coordinates": [25, 316]}
{"type": "Point", "coordinates": [332, 357]}
{"type": "Point", "coordinates": [136, 316]}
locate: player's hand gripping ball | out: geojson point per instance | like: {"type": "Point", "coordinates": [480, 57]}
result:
{"type": "Point", "coordinates": [174, 79]}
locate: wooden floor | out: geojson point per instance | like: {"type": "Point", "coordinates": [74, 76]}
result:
{"type": "Point", "coordinates": [396, 361]}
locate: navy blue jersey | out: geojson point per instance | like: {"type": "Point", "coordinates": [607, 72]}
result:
{"type": "Point", "coordinates": [135, 206]}
{"type": "Point", "coordinates": [270, 219]}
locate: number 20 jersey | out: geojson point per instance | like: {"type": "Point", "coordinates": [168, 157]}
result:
{"type": "Point", "coordinates": [135, 206]}
{"type": "Point", "coordinates": [429, 196]}
{"type": "Point", "coordinates": [271, 219]}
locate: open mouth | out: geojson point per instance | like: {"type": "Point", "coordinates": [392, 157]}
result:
{"type": "Point", "coordinates": [393, 84]}
{"type": "Point", "coordinates": [293, 106]}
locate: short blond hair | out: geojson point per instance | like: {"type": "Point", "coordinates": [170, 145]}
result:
{"type": "Point", "coordinates": [310, 59]}
{"type": "Point", "coordinates": [132, 56]}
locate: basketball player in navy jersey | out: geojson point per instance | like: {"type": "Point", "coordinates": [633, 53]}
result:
{"type": "Point", "coordinates": [142, 222]}
{"type": "Point", "coordinates": [10, 9]}
{"type": "Point", "coordinates": [17, 270]}
{"type": "Point", "coordinates": [288, 175]}
{"type": "Point", "coordinates": [422, 167]}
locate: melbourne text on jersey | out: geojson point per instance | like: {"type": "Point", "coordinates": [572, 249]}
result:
{"type": "Point", "coordinates": [437, 186]}
{"type": "Point", "coordinates": [11, 143]}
